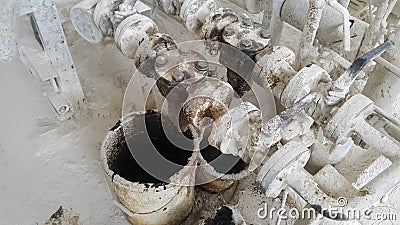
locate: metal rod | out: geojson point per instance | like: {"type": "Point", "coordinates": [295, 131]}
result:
{"type": "Point", "coordinates": [346, 23]}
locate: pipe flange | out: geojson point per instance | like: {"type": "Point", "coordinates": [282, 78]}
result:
{"type": "Point", "coordinates": [273, 174]}
{"type": "Point", "coordinates": [82, 18]}
{"type": "Point", "coordinates": [194, 12]}
{"type": "Point", "coordinates": [216, 22]}
{"type": "Point", "coordinates": [307, 80]}
{"type": "Point", "coordinates": [248, 36]}
{"type": "Point", "coordinates": [274, 67]}
{"type": "Point", "coordinates": [132, 31]}
{"type": "Point", "coordinates": [102, 15]}
{"type": "Point", "coordinates": [172, 67]}
{"type": "Point", "coordinates": [235, 131]}
{"type": "Point", "coordinates": [153, 46]}
{"type": "Point", "coordinates": [341, 124]}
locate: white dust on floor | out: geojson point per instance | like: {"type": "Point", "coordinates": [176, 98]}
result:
{"type": "Point", "coordinates": [45, 164]}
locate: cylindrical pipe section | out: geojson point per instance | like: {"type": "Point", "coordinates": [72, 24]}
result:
{"type": "Point", "coordinates": [330, 27]}
{"type": "Point", "coordinates": [132, 31]}
{"type": "Point", "coordinates": [346, 23]}
{"type": "Point", "coordinates": [384, 77]}
{"type": "Point", "coordinates": [82, 18]}
{"type": "Point", "coordinates": [309, 32]}
{"type": "Point", "coordinates": [217, 171]}
{"type": "Point", "coordinates": [195, 12]}
{"type": "Point", "coordinates": [384, 183]}
{"type": "Point", "coordinates": [276, 24]}
{"type": "Point", "coordinates": [378, 140]}
{"type": "Point", "coordinates": [146, 198]}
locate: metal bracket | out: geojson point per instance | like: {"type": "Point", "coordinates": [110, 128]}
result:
{"type": "Point", "coordinates": [54, 63]}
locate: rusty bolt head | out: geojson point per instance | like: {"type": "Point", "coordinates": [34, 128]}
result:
{"type": "Point", "coordinates": [265, 33]}
{"type": "Point", "coordinates": [246, 43]}
{"type": "Point", "coordinates": [229, 31]}
{"type": "Point", "coordinates": [161, 61]}
{"type": "Point", "coordinates": [201, 65]}
{"type": "Point", "coordinates": [178, 77]}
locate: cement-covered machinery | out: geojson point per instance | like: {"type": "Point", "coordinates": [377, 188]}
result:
{"type": "Point", "coordinates": [326, 120]}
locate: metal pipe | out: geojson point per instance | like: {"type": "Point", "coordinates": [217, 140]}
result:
{"type": "Point", "coordinates": [269, 134]}
{"type": "Point", "coordinates": [389, 66]}
{"type": "Point", "coordinates": [309, 32]}
{"type": "Point", "coordinates": [330, 31]}
{"type": "Point", "coordinates": [346, 23]}
{"type": "Point", "coordinates": [384, 183]}
{"type": "Point", "coordinates": [371, 35]}
{"type": "Point", "coordinates": [390, 8]}
{"type": "Point", "coordinates": [285, 169]}
{"type": "Point", "coordinates": [343, 83]}
{"type": "Point", "coordinates": [267, 14]}
{"type": "Point", "coordinates": [276, 22]}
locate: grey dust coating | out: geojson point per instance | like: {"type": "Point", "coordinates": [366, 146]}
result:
{"type": "Point", "coordinates": [192, 100]}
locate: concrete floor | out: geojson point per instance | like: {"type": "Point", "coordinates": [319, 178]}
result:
{"type": "Point", "coordinates": [45, 164]}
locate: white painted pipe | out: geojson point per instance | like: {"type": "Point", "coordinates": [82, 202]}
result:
{"type": "Point", "coordinates": [374, 29]}
{"type": "Point", "coordinates": [391, 6]}
{"type": "Point", "coordinates": [310, 29]}
{"type": "Point", "coordinates": [267, 14]}
{"type": "Point", "coordinates": [276, 22]}
{"type": "Point", "coordinates": [330, 28]}
{"type": "Point", "coordinates": [389, 66]}
{"type": "Point", "coordinates": [346, 23]}
{"type": "Point", "coordinates": [285, 169]}
{"type": "Point", "coordinates": [382, 184]}
{"type": "Point", "coordinates": [383, 80]}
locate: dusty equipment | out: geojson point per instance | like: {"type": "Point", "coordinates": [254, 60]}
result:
{"type": "Point", "coordinates": [325, 121]}
{"type": "Point", "coordinates": [50, 60]}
